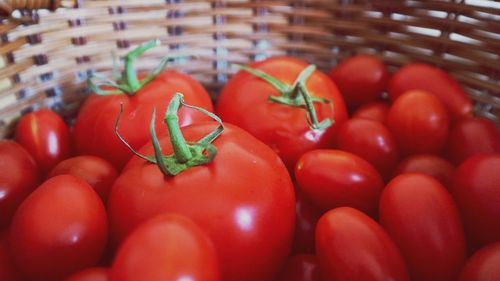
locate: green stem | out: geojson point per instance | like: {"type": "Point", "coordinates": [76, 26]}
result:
{"type": "Point", "coordinates": [179, 145]}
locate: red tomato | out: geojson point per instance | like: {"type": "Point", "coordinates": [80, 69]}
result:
{"type": "Point", "coordinates": [166, 247]}
{"type": "Point", "coordinates": [300, 268]}
{"type": "Point", "coordinates": [376, 111]}
{"type": "Point", "coordinates": [236, 199]}
{"type": "Point", "coordinates": [419, 123]}
{"type": "Point", "coordinates": [477, 193]}
{"type": "Point", "coordinates": [483, 265]}
{"type": "Point", "coordinates": [8, 270]}
{"type": "Point", "coordinates": [361, 79]}
{"type": "Point", "coordinates": [421, 217]}
{"type": "Point", "coordinates": [60, 228]}
{"type": "Point", "coordinates": [417, 76]}
{"type": "Point", "coordinates": [45, 136]}
{"type": "Point", "coordinates": [471, 136]}
{"type": "Point", "coordinates": [370, 140]}
{"type": "Point", "coordinates": [352, 246]}
{"type": "Point", "coordinates": [307, 215]}
{"type": "Point", "coordinates": [334, 178]}
{"type": "Point", "coordinates": [19, 176]}
{"type": "Point", "coordinates": [431, 165]}
{"type": "Point", "coordinates": [97, 172]}
{"type": "Point", "coordinates": [90, 274]}
{"type": "Point", "coordinates": [244, 101]}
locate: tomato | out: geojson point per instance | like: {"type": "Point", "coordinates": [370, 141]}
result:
{"type": "Point", "coordinates": [90, 274]}
{"type": "Point", "coordinates": [334, 178]}
{"type": "Point", "coordinates": [421, 217]}
{"type": "Point", "coordinates": [431, 165]}
{"type": "Point", "coordinates": [483, 265]}
{"type": "Point", "coordinates": [8, 270]}
{"type": "Point", "coordinates": [471, 136]}
{"type": "Point", "coordinates": [376, 111]}
{"type": "Point", "coordinates": [361, 79]}
{"type": "Point", "coordinates": [19, 176]}
{"type": "Point", "coordinates": [45, 136]}
{"type": "Point", "coordinates": [475, 189]}
{"type": "Point", "coordinates": [307, 215]}
{"type": "Point", "coordinates": [300, 268]}
{"type": "Point", "coordinates": [352, 246]}
{"type": "Point", "coordinates": [370, 140]}
{"type": "Point", "coordinates": [419, 123]}
{"type": "Point", "coordinates": [236, 199]}
{"type": "Point", "coordinates": [418, 76]}
{"type": "Point", "coordinates": [245, 102]}
{"type": "Point", "coordinates": [97, 172]}
{"type": "Point", "coordinates": [60, 228]}
{"type": "Point", "coordinates": [166, 247]}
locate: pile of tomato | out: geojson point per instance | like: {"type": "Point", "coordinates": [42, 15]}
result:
{"type": "Point", "coordinates": [291, 175]}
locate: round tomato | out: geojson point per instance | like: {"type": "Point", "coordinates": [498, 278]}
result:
{"type": "Point", "coordinates": [376, 111]}
{"type": "Point", "coordinates": [361, 79]}
{"type": "Point", "coordinates": [236, 199]}
{"type": "Point", "coordinates": [419, 123]}
{"type": "Point", "coordinates": [97, 172]}
{"type": "Point", "coordinates": [334, 178]}
{"type": "Point", "coordinates": [352, 246]}
{"type": "Point", "coordinates": [90, 274]}
{"type": "Point", "coordinates": [475, 189]}
{"type": "Point", "coordinates": [19, 176]}
{"type": "Point", "coordinates": [245, 102]}
{"type": "Point", "coordinates": [300, 268]}
{"type": "Point", "coordinates": [60, 228]}
{"type": "Point", "coordinates": [307, 215]}
{"type": "Point", "coordinates": [421, 217]}
{"type": "Point", "coordinates": [166, 247]}
{"type": "Point", "coordinates": [483, 265]}
{"type": "Point", "coordinates": [45, 136]}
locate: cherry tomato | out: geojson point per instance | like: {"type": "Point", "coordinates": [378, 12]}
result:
{"type": "Point", "coordinates": [236, 199]}
{"type": "Point", "coordinates": [376, 111]}
{"type": "Point", "coordinates": [334, 178]}
{"type": "Point", "coordinates": [431, 165]}
{"type": "Point", "coordinates": [421, 217]}
{"type": "Point", "coordinates": [471, 136]}
{"type": "Point", "coordinates": [352, 246]}
{"type": "Point", "coordinates": [418, 76]}
{"type": "Point", "coordinates": [90, 274]}
{"type": "Point", "coordinates": [60, 228]}
{"type": "Point", "coordinates": [475, 189]}
{"type": "Point", "coordinates": [307, 215]}
{"type": "Point", "coordinates": [45, 136]}
{"type": "Point", "coordinates": [244, 101]}
{"type": "Point", "coordinates": [8, 270]}
{"type": "Point", "coordinates": [19, 176]}
{"type": "Point", "coordinates": [301, 268]}
{"type": "Point", "coordinates": [370, 140]}
{"type": "Point", "coordinates": [361, 79]}
{"type": "Point", "coordinates": [419, 123]}
{"type": "Point", "coordinates": [166, 247]}
{"type": "Point", "coordinates": [483, 265]}
{"type": "Point", "coordinates": [97, 172]}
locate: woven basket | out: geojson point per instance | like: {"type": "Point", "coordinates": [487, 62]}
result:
{"type": "Point", "coordinates": [46, 56]}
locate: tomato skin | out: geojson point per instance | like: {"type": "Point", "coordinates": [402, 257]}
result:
{"type": "Point", "coordinates": [307, 215]}
{"type": "Point", "coordinates": [60, 228]}
{"type": "Point", "coordinates": [419, 123]}
{"type": "Point", "coordinates": [301, 268]}
{"type": "Point", "coordinates": [352, 246]}
{"type": "Point", "coordinates": [376, 111]}
{"type": "Point", "coordinates": [8, 270]}
{"type": "Point", "coordinates": [475, 189]}
{"type": "Point", "coordinates": [94, 130]}
{"type": "Point", "coordinates": [472, 136]}
{"type": "Point", "coordinates": [244, 102]}
{"type": "Point", "coordinates": [421, 217]}
{"type": "Point", "coordinates": [418, 76]}
{"type": "Point", "coordinates": [19, 176]}
{"type": "Point", "coordinates": [370, 140]}
{"type": "Point", "coordinates": [334, 178]}
{"type": "Point", "coordinates": [245, 191]}
{"type": "Point", "coordinates": [166, 247]}
{"type": "Point", "coordinates": [483, 265]}
{"type": "Point", "coordinates": [97, 172]}
{"type": "Point", "coordinates": [429, 164]}
{"type": "Point", "coordinates": [90, 274]}
{"type": "Point", "coordinates": [361, 79]}
{"type": "Point", "coordinates": [45, 136]}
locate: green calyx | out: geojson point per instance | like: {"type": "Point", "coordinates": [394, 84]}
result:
{"type": "Point", "coordinates": [185, 155]}
{"type": "Point", "coordinates": [127, 82]}
{"type": "Point", "coordinates": [295, 95]}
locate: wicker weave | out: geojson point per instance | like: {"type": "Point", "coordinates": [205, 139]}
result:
{"type": "Point", "coordinates": [45, 64]}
